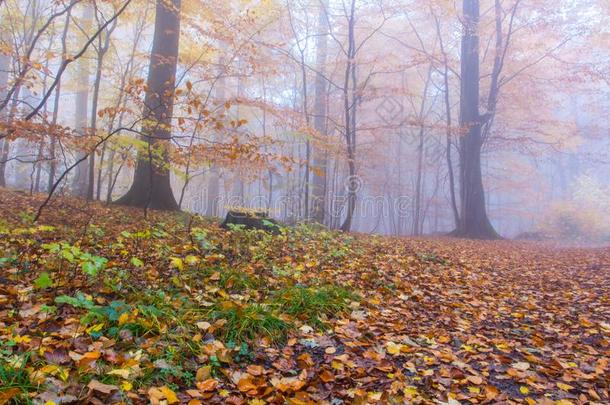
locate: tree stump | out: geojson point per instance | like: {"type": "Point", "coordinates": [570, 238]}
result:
{"type": "Point", "coordinates": [251, 220]}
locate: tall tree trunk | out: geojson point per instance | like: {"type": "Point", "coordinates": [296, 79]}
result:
{"type": "Point", "coordinates": [4, 152]}
{"type": "Point", "coordinates": [53, 143]}
{"type": "Point", "coordinates": [350, 100]}
{"type": "Point", "coordinates": [318, 189]}
{"type": "Point", "coordinates": [417, 217]}
{"type": "Point", "coordinates": [151, 186]}
{"type": "Point", "coordinates": [122, 104]}
{"type": "Point", "coordinates": [79, 182]}
{"type": "Point", "coordinates": [102, 48]}
{"type": "Point", "coordinates": [4, 69]}
{"type": "Point", "coordinates": [212, 193]}
{"type": "Point", "coordinates": [449, 123]}
{"type": "Point", "coordinates": [474, 222]}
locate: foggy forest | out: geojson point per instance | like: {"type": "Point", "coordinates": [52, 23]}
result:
{"type": "Point", "coordinates": [304, 202]}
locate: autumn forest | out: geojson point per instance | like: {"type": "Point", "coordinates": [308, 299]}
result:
{"type": "Point", "coordinates": [304, 201]}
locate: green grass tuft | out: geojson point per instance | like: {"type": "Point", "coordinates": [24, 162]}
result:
{"type": "Point", "coordinates": [250, 321]}
{"type": "Point", "coordinates": [14, 376]}
{"type": "Point", "coordinates": [311, 303]}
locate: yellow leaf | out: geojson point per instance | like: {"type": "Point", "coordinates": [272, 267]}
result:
{"type": "Point", "coordinates": [474, 390]}
{"type": "Point", "coordinates": [123, 318]}
{"type": "Point", "coordinates": [126, 386]}
{"type": "Point", "coordinates": [393, 348]}
{"type": "Point", "coordinates": [122, 372]}
{"type": "Point", "coordinates": [177, 263]}
{"type": "Point", "coordinates": [95, 328]}
{"type": "Point", "coordinates": [191, 260]}
{"type": "Point", "coordinates": [564, 387]}
{"type": "Point", "coordinates": [170, 396]}
{"type": "Point", "coordinates": [410, 391]}
{"type": "Point", "coordinates": [63, 374]}
{"type": "Point", "coordinates": [524, 390]}
{"type": "Point", "coordinates": [22, 339]}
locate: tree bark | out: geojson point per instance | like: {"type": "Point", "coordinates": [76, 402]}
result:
{"type": "Point", "coordinates": [151, 186]}
{"type": "Point", "coordinates": [80, 180]}
{"type": "Point", "coordinates": [318, 189]}
{"type": "Point", "coordinates": [102, 48]}
{"type": "Point", "coordinates": [350, 107]}
{"type": "Point", "coordinates": [4, 69]}
{"type": "Point", "coordinates": [474, 222]}
{"type": "Point", "coordinates": [213, 191]}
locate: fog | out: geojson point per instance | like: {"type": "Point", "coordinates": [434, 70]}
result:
{"type": "Point", "coordinates": [479, 119]}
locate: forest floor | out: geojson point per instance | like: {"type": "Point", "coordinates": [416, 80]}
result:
{"type": "Point", "coordinates": [101, 305]}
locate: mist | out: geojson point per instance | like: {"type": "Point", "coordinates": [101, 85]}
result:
{"type": "Point", "coordinates": [381, 117]}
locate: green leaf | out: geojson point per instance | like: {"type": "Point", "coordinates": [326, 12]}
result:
{"type": "Point", "coordinates": [136, 262]}
{"type": "Point", "coordinates": [43, 281]}
{"type": "Point", "coordinates": [89, 268]}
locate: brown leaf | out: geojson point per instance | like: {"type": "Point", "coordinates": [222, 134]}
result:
{"type": "Point", "coordinates": [95, 385]}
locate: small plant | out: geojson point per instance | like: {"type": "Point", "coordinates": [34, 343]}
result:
{"type": "Point", "coordinates": [432, 258]}
{"type": "Point", "coordinates": [115, 316]}
{"type": "Point", "coordinates": [248, 322]}
{"type": "Point", "coordinates": [237, 280]}
{"type": "Point", "coordinates": [95, 232]}
{"type": "Point", "coordinates": [6, 261]}
{"type": "Point", "coordinates": [14, 378]}
{"type": "Point", "coordinates": [43, 281]}
{"type": "Point", "coordinates": [90, 264]}
{"type": "Point", "coordinates": [26, 217]}
{"type": "Point", "coordinates": [237, 228]}
{"type": "Point", "coordinates": [310, 303]}
{"type": "Point", "coordinates": [200, 235]}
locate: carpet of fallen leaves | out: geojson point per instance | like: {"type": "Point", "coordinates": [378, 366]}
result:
{"type": "Point", "coordinates": [430, 320]}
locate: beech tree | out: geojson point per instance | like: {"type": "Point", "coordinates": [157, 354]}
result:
{"type": "Point", "coordinates": [473, 218]}
{"type": "Point", "coordinates": [151, 187]}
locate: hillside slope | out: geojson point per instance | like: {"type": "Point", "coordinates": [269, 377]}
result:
{"type": "Point", "coordinates": [101, 305]}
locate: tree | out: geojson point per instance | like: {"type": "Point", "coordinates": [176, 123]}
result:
{"type": "Point", "coordinates": [474, 222]}
{"type": "Point", "coordinates": [80, 179]}
{"type": "Point", "coordinates": [318, 189]}
{"type": "Point", "coordinates": [5, 61]}
{"type": "Point", "coordinates": [151, 186]}
{"type": "Point", "coordinates": [103, 44]}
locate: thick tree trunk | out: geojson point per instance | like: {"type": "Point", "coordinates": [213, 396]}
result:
{"type": "Point", "coordinates": [151, 186]}
{"type": "Point", "coordinates": [474, 222]}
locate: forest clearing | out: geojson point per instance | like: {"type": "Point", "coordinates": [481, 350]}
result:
{"type": "Point", "coordinates": [100, 305]}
